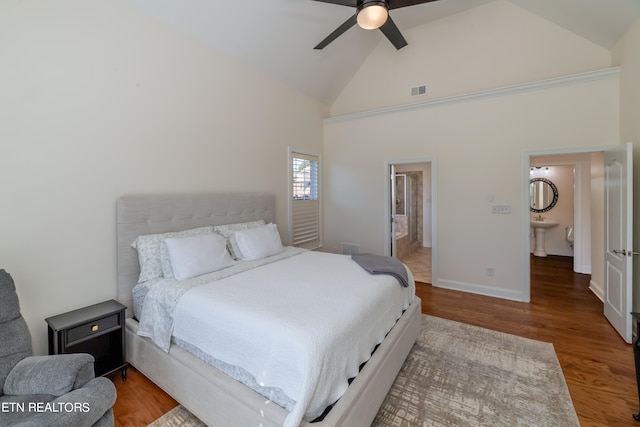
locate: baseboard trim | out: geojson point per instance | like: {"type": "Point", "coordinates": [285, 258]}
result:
{"type": "Point", "coordinates": [485, 290]}
{"type": "Point", "coordinates": [597, 290]}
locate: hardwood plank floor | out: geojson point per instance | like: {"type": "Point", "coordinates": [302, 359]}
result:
{"type": "Point", "coordinates": [139, 401]}
{"type": "Point", "coordinates": [597, 363]}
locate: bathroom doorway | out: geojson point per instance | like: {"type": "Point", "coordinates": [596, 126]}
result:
{"type": "Point", "coordinates": [578, 180]}
{"type": "Point", "coordinates": [603, 189]}
{"type": "Point", "coordinates": [411, 211]}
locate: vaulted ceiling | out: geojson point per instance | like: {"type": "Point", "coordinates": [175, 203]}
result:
{"type": "Point", "coordinates": [277, 36]}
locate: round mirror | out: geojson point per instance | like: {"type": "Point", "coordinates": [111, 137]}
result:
{"type": "Point", "coordinates": [543, 195]}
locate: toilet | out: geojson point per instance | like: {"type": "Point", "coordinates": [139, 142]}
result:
{"type": "Point", "coordinates": [569, 235]}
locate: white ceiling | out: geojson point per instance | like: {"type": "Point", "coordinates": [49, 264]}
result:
{"type": "Point", "coordinates": [277, 36]}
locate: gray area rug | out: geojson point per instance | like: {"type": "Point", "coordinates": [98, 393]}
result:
{"type": "Point", "coordinates": [463, 375]}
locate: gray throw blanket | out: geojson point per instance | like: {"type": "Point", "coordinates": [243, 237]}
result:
{"type": "Point", "coordinates": [379, 264]}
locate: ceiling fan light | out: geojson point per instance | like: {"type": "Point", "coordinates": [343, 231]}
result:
{"type": "Point", "coordinates": [372, 15]}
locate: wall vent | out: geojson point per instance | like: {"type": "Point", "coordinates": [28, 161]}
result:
{"type": "Point", "coordinates": [419, 90]}
{"type": "Point", "coordinates": [350, 249]}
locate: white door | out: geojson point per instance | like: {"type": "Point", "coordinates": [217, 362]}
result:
{"type": "Point", "coordinates": [618, 236]}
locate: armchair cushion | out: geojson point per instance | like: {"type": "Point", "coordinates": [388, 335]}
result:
{"type": "Point", "coordinates": [55, 375]}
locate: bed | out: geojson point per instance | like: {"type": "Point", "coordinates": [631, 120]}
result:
{"type": "Point", "coordinates": [213, 396]}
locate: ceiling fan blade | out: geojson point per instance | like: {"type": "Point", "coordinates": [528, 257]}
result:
{"type": "Point", "coordinates": [352, 3]}
{"type": "Point", "coordinates": [390, 29]}
{"type": "Point", "coordinates": [397, 4]}
{"type": "Point", "coordinates": [337, 33]}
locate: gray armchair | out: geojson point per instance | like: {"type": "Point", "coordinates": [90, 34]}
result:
{"type": "Point", "coordinates": [51, 391]}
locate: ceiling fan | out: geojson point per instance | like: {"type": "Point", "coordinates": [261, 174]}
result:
{"type": "Point", "coordinates": [372, 14]}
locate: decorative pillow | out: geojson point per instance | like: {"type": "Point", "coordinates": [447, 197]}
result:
{"type": "Point", "coordinates": [150, 251]}
{"type": "Point", "coordinates": [256, 243]}
{"type": "Point", "coordinates": [197, 255]}
{"type": "Point", "coordinates": [227, 229]}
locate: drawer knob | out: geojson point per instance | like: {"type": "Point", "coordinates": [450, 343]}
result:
{"type": "Point", "coordinates": [94, 328]}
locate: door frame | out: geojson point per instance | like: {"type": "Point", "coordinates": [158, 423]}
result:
{"type": "Point", "coordinates": [387, 207]}
{"type": "Point", "coordinates": [526, 215]}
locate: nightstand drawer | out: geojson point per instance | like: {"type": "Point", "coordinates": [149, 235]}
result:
{"type": "Point", "coordinates": [96, 327]}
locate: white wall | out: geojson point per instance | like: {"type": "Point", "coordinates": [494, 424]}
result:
{"type": "Point", "coordinates": [627, 54]}
{"type": "Point", "coordinates": [99, 101]}
{"type": "Point", "coordinates": [478, 141]}
{"type": "Point", "coordinates": [487, 47]}
{"type": "Point", "coordinates": [479, 147]}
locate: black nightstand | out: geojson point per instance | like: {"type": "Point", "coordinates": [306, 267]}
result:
{"type": "Point", "coordinates": [97, 329]}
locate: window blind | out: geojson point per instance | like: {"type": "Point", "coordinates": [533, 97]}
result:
{"type": "Point", "coordinates": [305, 203]}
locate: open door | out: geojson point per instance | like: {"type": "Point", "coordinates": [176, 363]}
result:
{"type": "Point", "coordinates": [619, 238]}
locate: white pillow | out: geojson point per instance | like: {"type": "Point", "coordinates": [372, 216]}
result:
{"type": "Point", "coordinates": [197, 255]}
{"type": "Point", "coordinates": [256, 243]}
{"type": "Point", "coordinates": [152, 254]}
{"type": "Point", "coordinates": [227, 229]}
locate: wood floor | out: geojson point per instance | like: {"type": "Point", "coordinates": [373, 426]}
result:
{"type": "Point", "coordinates": [597, 363]}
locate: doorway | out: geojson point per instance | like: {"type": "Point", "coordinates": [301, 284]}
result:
{"type": "Point", "coordinates": [579, 181]}
{"type": "Point", "coordinates": [607, 181]}
{"type": "Point", "coordinates": [410, 207]}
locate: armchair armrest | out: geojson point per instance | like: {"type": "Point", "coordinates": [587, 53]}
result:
{"type": "Point", "coordinates": [82, 407]}
{"type": "Point", "coordinates": [55, 375]}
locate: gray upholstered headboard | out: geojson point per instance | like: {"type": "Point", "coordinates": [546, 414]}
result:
{"type": "Point", "coordinates": [152, 214]}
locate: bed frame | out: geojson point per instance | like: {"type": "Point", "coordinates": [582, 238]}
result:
{"type": "Point", "coordinates": [212, 396]}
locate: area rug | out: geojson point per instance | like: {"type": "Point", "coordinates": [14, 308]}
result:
{"type": "Point", "coordinates": [463, 375]}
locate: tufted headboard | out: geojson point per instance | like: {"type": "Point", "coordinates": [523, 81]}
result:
{"type": "Point", "coordinates": [152, 214]}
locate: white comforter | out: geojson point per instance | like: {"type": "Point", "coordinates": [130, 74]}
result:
{"type": "Point", "coordinates": [303, 324]}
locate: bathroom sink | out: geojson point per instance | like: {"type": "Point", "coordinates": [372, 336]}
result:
{"type": "Point", "coordinates": [543, 224]}
{"type": "Point", "coordinates": [541, 227]}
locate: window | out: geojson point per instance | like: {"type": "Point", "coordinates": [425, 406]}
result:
{"type": "Point", "coordinates": [305, 200]}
